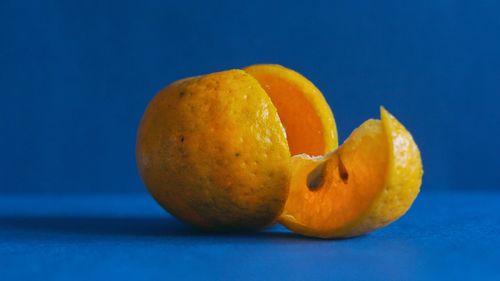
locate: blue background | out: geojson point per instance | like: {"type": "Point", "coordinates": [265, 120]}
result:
{"type": "Point", "coordinates": [128, 237]}
{"type": "Point", "coordinates": [75, 77]}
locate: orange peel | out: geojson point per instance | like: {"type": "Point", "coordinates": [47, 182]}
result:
{"type": "Point", "coordinates": [367, 183]}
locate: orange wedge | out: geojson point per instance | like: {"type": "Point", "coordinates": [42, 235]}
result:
{"type": "Point", "coordinates": [367, 183]}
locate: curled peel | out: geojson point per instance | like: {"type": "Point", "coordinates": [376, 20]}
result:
{"type": "Point", "coordinates": [367, 183]}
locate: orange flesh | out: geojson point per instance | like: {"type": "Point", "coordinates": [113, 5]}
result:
{"type": "Point", "coordinates": [302, 124]}
{"type": "Point", "coordinates": [346, 184]}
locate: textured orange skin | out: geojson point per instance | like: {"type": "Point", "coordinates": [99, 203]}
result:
{"type": "Point", "coordinates": [212, 151]}
{"type": "Point", "coordinates": [369, 182]}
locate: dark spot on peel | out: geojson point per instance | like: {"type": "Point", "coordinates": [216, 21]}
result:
{"type": "Point", "coordinates": [237, 154]}
{"type": "Point", "coordinates": [181, 94]}
{"type": "Point", "coordinates": [344, 175]}
{"type": "Point", "coordinates": [315, 177]}
{"type": "Point", "coordinates": [182, 138]}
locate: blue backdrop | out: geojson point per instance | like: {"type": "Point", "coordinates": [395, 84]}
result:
{"type": "Point", "coordinates": [75, 77]}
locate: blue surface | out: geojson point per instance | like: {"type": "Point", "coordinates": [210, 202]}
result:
{"type": "Point", "coordinates": [75, 77]}
{"type": "Point", "coordinates": [445, 236]}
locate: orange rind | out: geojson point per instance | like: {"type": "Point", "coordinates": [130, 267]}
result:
{"type": "Point", "coordinates": [367, 183]}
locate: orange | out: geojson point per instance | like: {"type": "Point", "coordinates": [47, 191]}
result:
{"type": "Point", "coordinates": [215, 150]}
{"type": "Point", "coordinates": [242, 149]}
{"type": "Point", "coordinates": [367, 183]}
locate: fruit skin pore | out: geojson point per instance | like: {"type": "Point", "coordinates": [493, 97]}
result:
{"type": "Point", "coordinates": [212, 151]}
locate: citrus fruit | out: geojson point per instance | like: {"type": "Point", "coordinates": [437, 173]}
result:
{"type": "Point", "coordinates": [215, 150]}
{"type": "Point", "coordinates": [367, 183]}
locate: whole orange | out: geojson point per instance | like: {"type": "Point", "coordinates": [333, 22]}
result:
{"type": "Point", "coordinates": [215, 150]}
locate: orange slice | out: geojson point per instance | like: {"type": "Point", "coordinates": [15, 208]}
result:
{"type": "Point", "coordinates": [367, 183]}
